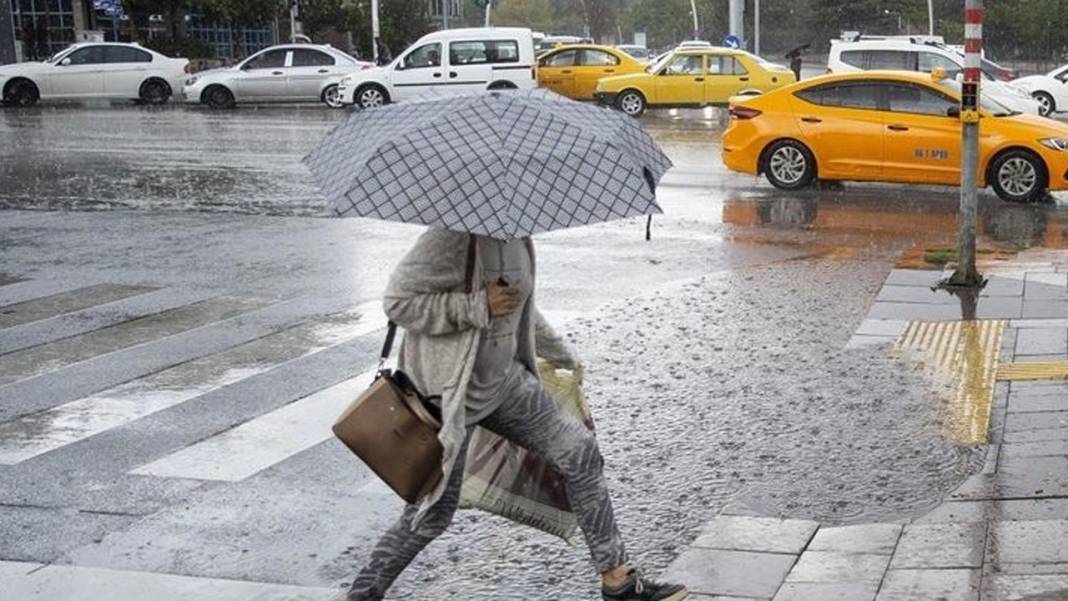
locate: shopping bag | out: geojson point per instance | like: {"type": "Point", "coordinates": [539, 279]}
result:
{"type": "Point", "coordinates": [505, 479]}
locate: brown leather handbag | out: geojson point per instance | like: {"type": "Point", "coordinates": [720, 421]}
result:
{"type": "Point", "coordinates": [394, 428]}
{"type": "Point", "coordinates": [391, 427]}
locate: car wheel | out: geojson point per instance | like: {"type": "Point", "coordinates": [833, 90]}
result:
{"type": "Point", "coordinates": [631, 102]}
{"type": "Point", "coordinates": [21, 93]}
{"type": "Point", "coordinates": [371, 96]}
{"type": "Point", "coordinates": [155, 92]}
{"type": "Point", "coordinates": [332, 97]}
{"type": "Point", "coordinates": [1018, 176]}
{"type": "Point", "coordinates": [1046, 105]}
{"type": "Point", "coordinates": [502, 85]}
{"type": "Point", "coordinates": [789, 165]}
{"type": "Point", "coordinates": [218, 97]}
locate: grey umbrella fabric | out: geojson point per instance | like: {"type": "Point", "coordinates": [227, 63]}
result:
{"type": "Point", "coordinates": [502, 164]}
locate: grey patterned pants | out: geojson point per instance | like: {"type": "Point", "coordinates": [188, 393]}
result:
{"type": "Point", "coordinates": [531, 418]}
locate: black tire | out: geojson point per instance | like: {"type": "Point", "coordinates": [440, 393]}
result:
{"type": "Point", "coordinates": [155, 92]}
{"type": "Point", "coordinates": [1018, 175]}
{"type": "Point", "coordinates": [371, 96]}
{"type": "Point", "coordinates": [1046, 105]}
{"type": "Point", "coordinates": [330, 97]}
{"type": "Point", "coordinates": [788, 165]}
{"type": "Point", "coordinates": [21, 93]}
{"type": "Point", "coordinates": [502, 85]}
{"type": "Point", "coordinates": [218, 97]}
{"type": "Point", "coordinates": [631, 102]}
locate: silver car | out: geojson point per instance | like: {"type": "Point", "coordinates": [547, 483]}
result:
{"type": "Point", "coordinates": [285, 73]}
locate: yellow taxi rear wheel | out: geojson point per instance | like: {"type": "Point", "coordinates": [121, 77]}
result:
{"type": "Point", "coordinates": [1018, 175]}
{"type": "Point", "coordinates": [789, 165]}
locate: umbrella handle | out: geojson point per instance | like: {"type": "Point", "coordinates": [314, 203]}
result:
{"type": "Point", "coordinates": [649, 228]}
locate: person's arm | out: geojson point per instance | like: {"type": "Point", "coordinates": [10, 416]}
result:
{"type": "Point", "coordinates": [425, 292]}
{"type": "Point", "coordinates": [551, 346]}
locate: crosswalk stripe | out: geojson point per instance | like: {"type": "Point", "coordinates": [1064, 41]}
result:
{"type": "Point", "coordinates": [20, 292]}
{"type": "Point", "coordinates": [66, 302]}
{"type": "Point", "coordinates": [66, 325]}
{"type": "Point", "coordinates": [260, 443]}
{"type": "Point", "coordinates": [34, 582]}
{"type": "Point", "coordinates": [38, 433]}
{"type": "Point", "coordinates": [55, 355]}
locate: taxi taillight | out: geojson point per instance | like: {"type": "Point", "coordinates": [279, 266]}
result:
{"type": "Point", "coordinates": [744, 112]}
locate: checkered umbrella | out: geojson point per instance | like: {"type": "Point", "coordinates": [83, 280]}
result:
{"type": "Point", "coordinates": [502, 164]}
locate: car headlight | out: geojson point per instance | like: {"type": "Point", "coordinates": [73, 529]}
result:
{"type": "Point", "coordinates": [191, 80]}
{"type": "Point", "coordinates": [1060, 144]}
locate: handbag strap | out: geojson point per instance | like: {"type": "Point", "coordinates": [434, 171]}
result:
{"type": "Point", "coordinates": [469, 279]}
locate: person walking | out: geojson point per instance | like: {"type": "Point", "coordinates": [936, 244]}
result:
{"type": "Point", "coordinates": [484, 344]}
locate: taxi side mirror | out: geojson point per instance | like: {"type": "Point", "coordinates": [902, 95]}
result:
{"type": "Point", "coordinates": [953, 111]}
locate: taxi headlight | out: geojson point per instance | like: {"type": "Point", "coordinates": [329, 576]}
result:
{"type": "Point", "coordinates": [599, 87]}
{"type": "Point", "coordinates": [1060, 144]}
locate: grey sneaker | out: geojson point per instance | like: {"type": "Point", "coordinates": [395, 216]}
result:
{"type": "Point", "coordinates": [640, 589]}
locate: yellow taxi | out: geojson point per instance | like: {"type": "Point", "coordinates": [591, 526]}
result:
{"type": "Point", "coordinates": [693, 78]}
{"type": "Point", "coordinates": [573, 70]}
{"type": "Point", "coordinates": [891, 126]}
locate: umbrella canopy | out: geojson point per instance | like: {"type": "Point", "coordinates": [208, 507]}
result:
{"type": "Point", "coordinates": [503, 164]}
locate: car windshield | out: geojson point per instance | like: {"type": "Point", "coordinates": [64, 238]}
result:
{"type": "Point", "coordinates": [994, 107]}
{"type": "Point", "coordinates": [55, 57]}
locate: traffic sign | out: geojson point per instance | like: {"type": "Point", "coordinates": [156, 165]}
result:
{"type": "Point", "coordinates": [732, 41]}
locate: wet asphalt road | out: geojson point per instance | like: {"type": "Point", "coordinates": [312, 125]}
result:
{"type": "Point", "coordinates": [717, 370]}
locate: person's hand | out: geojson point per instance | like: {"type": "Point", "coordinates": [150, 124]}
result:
{"type": "Point", "coordinates": [502, 299]}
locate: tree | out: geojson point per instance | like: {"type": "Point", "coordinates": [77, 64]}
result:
{"type": "Point", "coordinates": [400, 21]}
{"type": "Point", "coordinates": [535, 14]}
{"type": "Point", "coordinates": [318, 17]}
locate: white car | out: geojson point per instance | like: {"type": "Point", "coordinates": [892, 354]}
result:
{"type": "Point", "coordinates": [285, 73]}
{"type": "Point", "coordinates": [1050, 90]}
{"type": "Point", "coordinates": [905, 54]}
{"type": "Point", "coordinates": [111, 71]}
{"type": "Point", "coordinates": [453, 61]}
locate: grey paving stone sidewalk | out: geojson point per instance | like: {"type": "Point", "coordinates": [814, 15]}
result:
{"type": "Point", "coordinates": [1001, 536]}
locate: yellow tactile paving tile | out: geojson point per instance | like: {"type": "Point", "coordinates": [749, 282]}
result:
{"type": "Point", "coordinates": [965, 355]}
{"type": "Point", "coordinates": [1047, 370]}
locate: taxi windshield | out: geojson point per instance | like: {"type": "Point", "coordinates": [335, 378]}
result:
{"type": "Point", "coordinates": [994, 107]}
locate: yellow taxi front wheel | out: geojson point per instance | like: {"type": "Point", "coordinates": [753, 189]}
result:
{"type": "Point", "coordinates": [631, 102]}
{"type": "Point", "coordinates": [789, 165]}
{"type": "Point", "coordinates": [1018, 176]}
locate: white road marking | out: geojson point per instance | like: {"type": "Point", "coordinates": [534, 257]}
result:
{"type": "Point", "coordinates": [24, 582]}
{"type": "Point", "coordinates": [39, 433]}
{"type": "Point", "coordinates": [260, 443]}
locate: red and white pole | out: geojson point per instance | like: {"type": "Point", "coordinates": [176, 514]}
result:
{"type": "Point", "coordinates": [966, 273]}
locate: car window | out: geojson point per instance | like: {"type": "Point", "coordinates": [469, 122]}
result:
{"type": "Point", "coordinates": [892, 59]}
{"type": "Point", "coordinates": [597, 58]}
{"type": "Point", "coordinates": [483, 52]}
{"type": "Point", "coordinates": [303, 57]}
{"type": "Point", "coordinates": [125, 54]}
{"type": "Point", "coordinates": [907, 98]}
{"type": "Point", "coordinates": [858, 95]}
{"type": "Point", "coordinates": [728, 65]}
{"type": "Point", "coordinates": [855, 58]}
{"type": "Point", "coordinates": [685, 64]}
{"type": "Point", "coordinates": [1062, 76]}
{"type": "Point", "coordinates": [90, 55]}
{"type": "Point", "coordinates": [928, 61]}
{"type": "Point", "coordinates": [272, 59]}
{"type": "Point", "coordinates": [564, 58]}
{"type": "Point", "coordinates": [427, 55]}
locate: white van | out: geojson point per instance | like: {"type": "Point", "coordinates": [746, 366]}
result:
{"type": "Point", "coordinates": [917, 54]}
{"type": "Point", "coordinates": [453, 61]}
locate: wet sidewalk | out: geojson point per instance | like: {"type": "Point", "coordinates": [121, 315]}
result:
{"type": "Point", "coordinates": [1001, 535]}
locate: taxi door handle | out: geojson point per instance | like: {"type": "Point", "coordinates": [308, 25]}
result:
{"type": "Point", "coordinates": [566, 71]}
{"type": "Point", "coordinates": [743, 79]}
{"type": "Point", "coordinates": [812, 120]}
{"type": "Point", "coordinates": [699, 79]}
{"type": "Point", "coordinates": [437, 75]}
{"type": "Point", "coordinates": [897, 127]}
{"type": "Point", "coordinates": [609, 70]}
